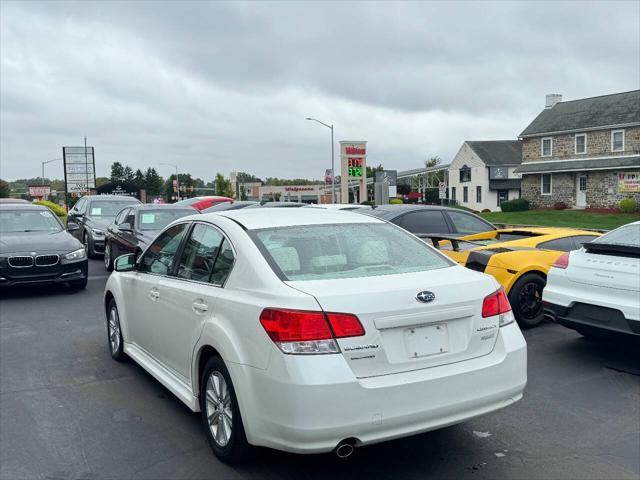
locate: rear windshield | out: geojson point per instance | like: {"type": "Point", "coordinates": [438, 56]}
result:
{"type": "Point", "coordinates": [628, 235]}
{"type": "Point", "coordinates": [158, 219]}
{"type": "Point", "coordinates": [322, 252]}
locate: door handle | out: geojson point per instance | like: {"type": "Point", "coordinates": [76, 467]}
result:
{"type": "Point", "coordinates": [199, 306]}
{"type": "Point", "coordinates": [154, 293]}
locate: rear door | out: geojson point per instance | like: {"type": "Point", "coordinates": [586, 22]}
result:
{"type": "Point", "coordinates": [424, 222]}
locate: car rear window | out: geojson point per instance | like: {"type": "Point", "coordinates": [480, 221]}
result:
{"type": "Point", "coordinates": [322, 252]}
{"type": "Point", "coordinates": [628, 235]}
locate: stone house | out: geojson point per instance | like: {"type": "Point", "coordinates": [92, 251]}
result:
{"type": "Point", "coordinates": [585, 153]}
{"type": "Point", "coordinates": [481, 175]}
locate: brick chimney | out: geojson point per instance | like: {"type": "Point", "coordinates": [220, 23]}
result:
{"type": "Point", "coordinates": [551, 99]}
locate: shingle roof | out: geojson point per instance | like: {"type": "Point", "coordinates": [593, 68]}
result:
{"type": "Point", "coordinates": [607, 163]}
{"type": "Point", "coordinates": [498, 152]}
{"type": "Point", "coordinates": [587, 113]}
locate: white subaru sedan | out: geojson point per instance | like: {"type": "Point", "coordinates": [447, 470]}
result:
{"type": "Point", "coordinates": [597, 289]}
{"type": "Point", "coordinates": [313, 330]}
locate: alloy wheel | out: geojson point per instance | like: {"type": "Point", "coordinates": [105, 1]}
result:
{"type": "Point", "coordinates": [107, 256]}
{"type": "Point", "coordinates": [530, 300]}
{"type": "Point", "coordinates": [219, 413]}
{"type": "Point", "coordinates": [114, 331]}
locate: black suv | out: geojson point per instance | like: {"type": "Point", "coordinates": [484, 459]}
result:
{"type": "Point", "coordinates": [431, 220]}
{"type": "Point", "coordinates": [94, 214]}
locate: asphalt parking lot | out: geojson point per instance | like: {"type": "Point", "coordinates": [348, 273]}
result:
{"type": "Point", "coordinates": [67, 411]}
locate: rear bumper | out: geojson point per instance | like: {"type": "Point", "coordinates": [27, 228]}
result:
{"type": "Point", "coordinates": [584, 316]}
{"type": "Point", "coordinates": [63, 273]}
{"type": "Point", "coordinates": [307, 404]}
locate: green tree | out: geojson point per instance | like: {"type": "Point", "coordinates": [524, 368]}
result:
{"type": "Point", "coordinates": [186, 186]}
{"type": "Point", "coordinates": [5, 190]}
{"type": "Point", "coordinates": [371, 171]}
{"type": "Point", "coordinates": [432, 161]}
{"type": "Point", "coordinates": [128, 175]}
{"type": "Point", "coordinates": [243, 177]}
{"type": "Point", "coordinates": [117, 172]}
{"type": "Point", "coordinates": [99, 181]}
{"type": "Point", "coordinates": [138, 179]}
{"type": "Point", "coordinates": [223, 186]}
{"type": "Point", "coordinates": [153, 183]}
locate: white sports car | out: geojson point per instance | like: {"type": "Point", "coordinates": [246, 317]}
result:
{"type": "Point", "coordinates": [597, 288]}
{"type": "Point", "coordinates": [313, 330]}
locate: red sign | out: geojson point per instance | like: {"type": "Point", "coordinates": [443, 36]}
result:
{"type": "Point", "coordinates": [351, 150]}
{"type": "Point", "coordinates": [41, 191]}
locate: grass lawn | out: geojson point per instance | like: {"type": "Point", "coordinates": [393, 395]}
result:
{"type": "Point", "coordinates": [563, 218]}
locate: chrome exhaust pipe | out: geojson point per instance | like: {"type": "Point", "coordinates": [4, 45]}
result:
{"type": "Point", "coordinates": [344, 449]}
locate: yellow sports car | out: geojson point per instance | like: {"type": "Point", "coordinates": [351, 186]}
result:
{"type": "Point", "coordinates": [519, 258]}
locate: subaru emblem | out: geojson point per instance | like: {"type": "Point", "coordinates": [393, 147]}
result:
{"type": "Point", "coordinates": [425, 297]}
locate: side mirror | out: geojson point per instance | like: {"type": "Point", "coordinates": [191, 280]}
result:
{"type": "Point", "coordinates": [72, 227]}
{"type": "Point", "coordinates": [125, 227]}
{"type": "Point", "coordinates": [125, 263]}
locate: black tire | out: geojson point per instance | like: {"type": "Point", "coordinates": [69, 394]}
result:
{"type": "Point", "coordinates": [108, 260]}
{"type": "Point", "coordinates": [79, 284]}
{"type": "Point", "coordinates": [88, 248]}
{"type": "Point", "coordinates": [236, 449]}
{"type": "Point", "coordinates": [114, 333]}
{"type": "Point", "coordinates": [525, 298]}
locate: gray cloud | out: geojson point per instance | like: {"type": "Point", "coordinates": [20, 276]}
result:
{"type": "Point", "coordinates": [223, 86]}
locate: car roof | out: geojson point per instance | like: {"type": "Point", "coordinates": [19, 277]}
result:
{"type": "Point", "coordinates": [14, 201]}
{"type": "Point", "coordinates": [114, 198]}
{"type": "Point", "coordinates": [255, 218]}
{"type": "Point", "coordinates": [162, 206]}
{"type": "Point", "coordinates": [21, 206]}
{"type": "Point", "coordinates": [549, 231]}
{"type": "Point", "coordinates": [392, 211]}
{"type": "Point", "coordinates": [339, 206]}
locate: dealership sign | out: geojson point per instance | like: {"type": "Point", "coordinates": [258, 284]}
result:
{"type": "Point", "coordinates": [628, 182]}
{"type": "Point", "coordinates": [79, 169]}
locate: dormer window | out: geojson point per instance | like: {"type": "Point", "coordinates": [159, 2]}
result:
{"type": "Point", "coordinates": [465, 174]}
{"type": "Point", "coordinates": [580, 143]}
{"type": "Point", "coordinates": [546, 147]}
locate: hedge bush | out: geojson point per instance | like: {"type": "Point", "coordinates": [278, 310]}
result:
{"type": "Point", "coordinates": [628, 205]}
{"type": "Point", "coordinates": [486, 210]}
{"type": "Point", "coordinates": [395, 201]}
{"type": "Point", "coordinates": [560, 206]}
{"type": "Point", "coordinates": [516, 205]}
{"type": "Point", "coordinates": [54, 207]}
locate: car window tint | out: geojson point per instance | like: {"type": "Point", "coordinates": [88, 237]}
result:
{"type": "Point", "coordinates": [560, 244]}
{"type": "Point", "coordinates": [580, 239]}
{"type": "Point", "coordinates": [80, 205]}
{"type": "Point", "coordinates": [199, 254]}
{"type": "Point", "coordinates": [432, 221]}
{"type": "Point", "coordinates": [467, 223]}
{"type": "Point", "coordinates": [130, 217]}
{"type": "Point", "coordinates": [224, 262]}
{"type": "Point", "coordinates": [159, 256]}
{"type": "Point", "coordinates": [120, 217]}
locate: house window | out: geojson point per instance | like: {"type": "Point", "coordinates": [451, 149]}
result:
{"type": "Point", "coordinates": [547, 147]}
{"type": "Point", "coordinates": [465, 174]}
{"type": "Point", "coordinates": [478, 194]}
{"type": "Point", "coordinates": [465, 194]}
{"type": "Point", "coordinates": [617, 140]}
{"type": "Point", "coordinates": [581, 143]}
{"type": "Point", "coordinates": [545, 187]}
{"type": "Point", "coordinates": [453, 193]}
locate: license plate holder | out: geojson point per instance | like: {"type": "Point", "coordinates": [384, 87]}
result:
{"type": "Point", "coordinates": [426, 341]}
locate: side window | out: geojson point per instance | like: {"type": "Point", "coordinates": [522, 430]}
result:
{"type": "Point", "coordinates": [578, 240]}
{"type": "Point", "coordinates": [223, 265]}
{"type": "Point", "coordinates": [560, 244]}
{"type": "Point", "coordinates": [80, 205]}
{"type": "Point", "coordinates": [424, 222]}
{"type": "Point", "coordinates": [200, 254]}
{"type": "Point", "coordinates": [130, 217]}
{"type": "Point", "coordinates": [159, 257]}
{"type": "Point", "coordinates": [466, 224]}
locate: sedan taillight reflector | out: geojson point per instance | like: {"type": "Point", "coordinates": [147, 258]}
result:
{"type": "Point", "coordinates": [307, 332]}
{"type": "Point", "coordinates": [495, 304]}
{"type": "Point", "coordinates": [562, 261]}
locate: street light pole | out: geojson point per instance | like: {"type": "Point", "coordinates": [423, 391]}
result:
{"type": "Point", "coordinates": [44, 163]}
{"type": "Point", "coordinates": [333, 176]}
{"type": "Point", "coordinates": [177, 179]}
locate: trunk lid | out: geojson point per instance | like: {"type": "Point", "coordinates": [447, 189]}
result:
{"type": "Point", "coordinates": [604, 268]}
{"type": "Point", "coordinates": [402, 333]}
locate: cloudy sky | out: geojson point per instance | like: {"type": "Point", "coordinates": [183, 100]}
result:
{"type": "Point", "coordinates": [226, 86]}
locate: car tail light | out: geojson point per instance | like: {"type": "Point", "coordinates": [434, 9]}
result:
{"type": "Point", "coordinates": [498, 304]}
{"type": "Point", "coordinates": [306, 332]}
{"type": "Point", "coordinates": [562, 261]}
